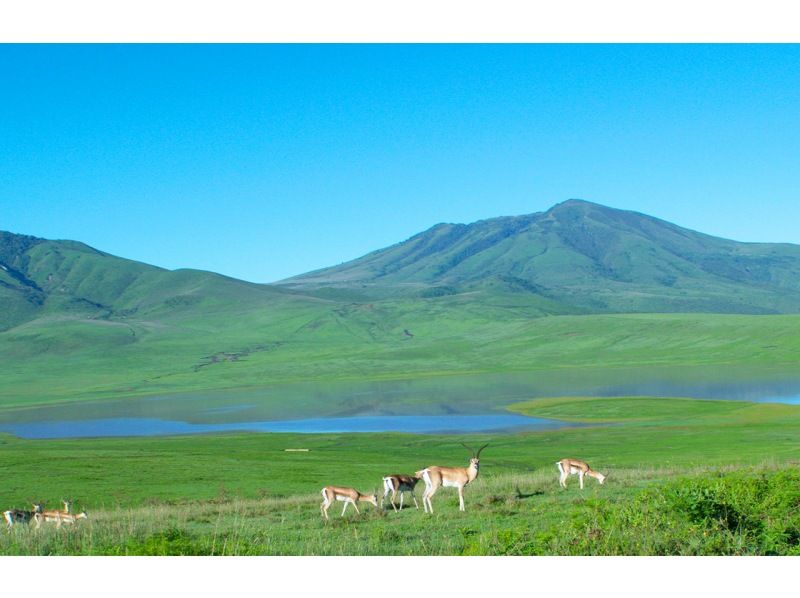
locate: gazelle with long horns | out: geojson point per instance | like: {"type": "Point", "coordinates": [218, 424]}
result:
{"type": "Point", "coordinates": [399, 483]}
{"type": "Point", "coordinates": [568, 467]}
{"type": "Point", "coordinates": [347, 496]}
{"type": "Point", "coordinates": [453, 477]}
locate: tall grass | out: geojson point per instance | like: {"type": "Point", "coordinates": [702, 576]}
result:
{"type": "Point", "coordinates": [666, 511]}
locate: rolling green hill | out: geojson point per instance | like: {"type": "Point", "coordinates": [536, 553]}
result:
{"type": "Point", "coordinates": [67, 280]}
{"type": "Point", "coordinates": [584, 257]}
{"type": "Point", "coordinates": [514, 294]}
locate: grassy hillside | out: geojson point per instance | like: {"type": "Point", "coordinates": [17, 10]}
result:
{"type": "Point", "coordinates": [66, 280]}
{"type": "Point", "coordinates": [690, 477]}
{"type": "Point", "coordinates": [585, 256]}
{"type": "Point", "coordinates": [503, 295]}
{"type": "Point", "coordinates": [63, 359]}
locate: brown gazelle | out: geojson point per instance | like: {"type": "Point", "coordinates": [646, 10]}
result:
{"type": "Point", "coordinates": [399, 483]}
{"type": "Point", "coordinates": [13, 516]}
{"type": "Point", "coordinates": [568, 467]}
{"type": "Point", "coordinates": [456, 477]}
{"type": "Point", "coordinates": [59, 517]}
{"type": "Point", "coordinates": [346, 495]}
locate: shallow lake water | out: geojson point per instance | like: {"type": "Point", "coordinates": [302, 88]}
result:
{"type": "Point", "coordinates": [466, 403]}
{"type": "Point", "coordinates": [417, 424]}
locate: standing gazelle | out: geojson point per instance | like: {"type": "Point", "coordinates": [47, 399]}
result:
{"type": "Point", "coordinates": [13, 516]}
{"type": "Point", "coordinates": [568, 467]}
{"type": "Point", "coordinates": [456, 477]}
{"type": "Point", "coordinates": [399, 483]}
{"type": "Point", "coordinates": [346, 495]}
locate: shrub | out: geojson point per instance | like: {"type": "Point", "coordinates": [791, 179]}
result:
{"type": "Point", "coordinates": [741, 513]}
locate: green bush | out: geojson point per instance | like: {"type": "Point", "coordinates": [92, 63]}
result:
{"type": "Point", "coordinates": [172, 541]}
{"type": "Point", "coordinates": [742, 513]}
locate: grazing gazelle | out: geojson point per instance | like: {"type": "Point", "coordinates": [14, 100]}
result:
{"type": "Point", "coordinates": [569, 467]}
{"type": "Point", "coordinates": [59, 517]}
{"type": "Point", "coordinates": [399, 483]}
{"type": "Point", "coordinates": [13, 516]}
{"type": "Point", "coordinates": [456, 477]}
{"type": "Point", "coordinates": [346, 495]}
{"type": "Point", "coordinates": [71, 518]}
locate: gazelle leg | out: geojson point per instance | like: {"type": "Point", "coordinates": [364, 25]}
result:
{"type": "Point", "coordinates": [394, 495]}
{"type": "Point", "coordinates": [414, 496]}
{"type": "Point", "coordinates": [461, 498]}
{"type": "Point", "coordinates": [401, 500]}
{"type": "Point", "coordinates": [345, 507]}
{"type": "Point", "coordinates": [430, 493]}
{"type": "Point", "coordinates": [580, 477]}
{"type": "Point", "coordinates": [325, 504]}
{"type": "Point", "coordinates": [355, 506]}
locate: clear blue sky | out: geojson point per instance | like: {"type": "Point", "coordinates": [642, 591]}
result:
{"type": "Point", "coordinates": [261, 162]}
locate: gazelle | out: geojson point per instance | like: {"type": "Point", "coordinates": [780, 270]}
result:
{"type": "Point", "coordinates": [346, 495]}
{"type": "Point", "coordinates": [63, 516]}
{"type": "Point", "coordinates": [457, 477]}
{"type": "Point", "coordinates": [13, 516]}
{"type": "Point", "coordinates": [399, 483]}
{"type": "Point", "coordinates": [569, 467]}
{"type": "Point", "coordinates": [72, 518]}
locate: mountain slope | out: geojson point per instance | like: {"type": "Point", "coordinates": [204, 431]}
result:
{"type": "Point", "coordinates": [41, 278]}
{"type": "Point", "coordinates": [78, 323]}
{"type": "Point", "coordinates": [583, 255]}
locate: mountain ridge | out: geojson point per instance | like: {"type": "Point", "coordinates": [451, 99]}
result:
{"type": "Point", "coordinates": [39, 277]}
{"type": "Point", "coordinates": [579, 250]}
{"type": "Point", "coordinates": [576, 257]}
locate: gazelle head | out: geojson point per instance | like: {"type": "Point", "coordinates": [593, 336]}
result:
{"type": "Point", "coordinates": [601, 478]}
{"type": "Point", "coordinates": [37, 507]}
{"type": "Point", "coordinates": [82, 515]}
{"type": "Point", "coordinates": [373, 499]}
{"type": "Point", "coordinates": [67, 504]}
{"type": "Point", "coordinates": [475, 460]}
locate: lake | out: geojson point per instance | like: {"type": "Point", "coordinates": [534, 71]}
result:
{"type": "Point", "coordinates": [447, 404]}
{"type": "Point", "coordinates": [416, 424]}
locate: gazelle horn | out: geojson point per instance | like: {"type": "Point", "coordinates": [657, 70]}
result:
{"type": "Point", "coordinates": [480, 449]}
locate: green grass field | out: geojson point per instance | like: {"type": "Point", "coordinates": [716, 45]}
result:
{"type": "Point", "coordinates": [685, 477]}
{"type": "Point", "coordinates": [55, 361]}
{"type": "Point", "coordinates": [244, 494]}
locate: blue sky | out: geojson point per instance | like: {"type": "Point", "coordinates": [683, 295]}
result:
{"type": "Point", "coordinates": [261, 162]}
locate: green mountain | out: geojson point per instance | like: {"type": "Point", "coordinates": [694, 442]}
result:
{"type": "Point", "coordinates": [67, 279]}
{"type": "Point", "coordinates": [515, 294]}
{"type": "Point", "coordinates": [582, 256]}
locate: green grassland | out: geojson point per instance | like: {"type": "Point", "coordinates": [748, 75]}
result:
{"type": "Point", "coordinates": [685, 477]}
{"type": "Point", "coordinates": [82, 359]}
{"type": "Point", "coordinates": [528, 295]}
